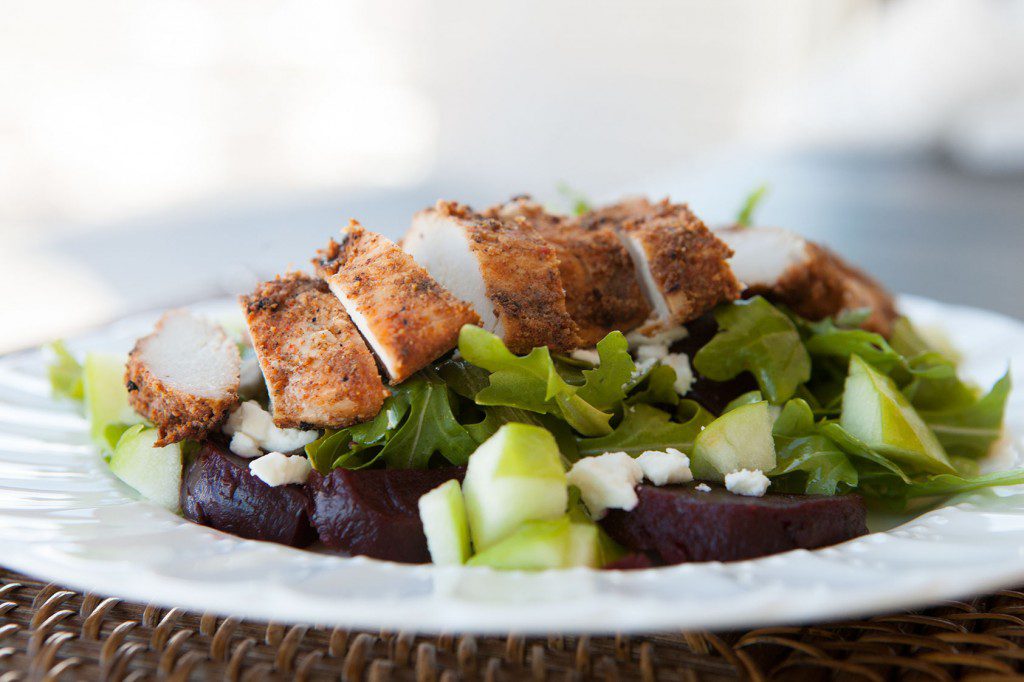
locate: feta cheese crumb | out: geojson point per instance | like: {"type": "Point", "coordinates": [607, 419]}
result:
{"type": "Point", "coordinates": [586, 355]}
{"type": "Point", "coordinates": [276, 469]}
{"type": "Point", "coordinates": [670, 466]}
{"type": "Point", "coordinates": [662, 338]}
{"type": "Point", "coordinates": [252, 429]}
{"type": "Point", "coordinates": [703, 487]}
{"type": "Point", "coordinates": [749, 482]}
{"type": "Point", "coordinates": [606, 482]}
{"type": "Point", "coordinates": [651, 352]}
{"type": "Point", "coordinates": [680, 362]}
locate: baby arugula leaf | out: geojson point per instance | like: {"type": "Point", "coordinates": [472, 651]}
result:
{"type": "Point", "coordinates": [530, 382]}
{"type": "Point", "coordinates": [827, 340]}
{"type": "Point", "coordinates": [657, 387]}
{"type": "Point", "coordinates": [756, 337]}
{"type": "Point", "coordinates": [605, 385]}
{"type": "Point", "coordinates": [808, 462]}
{"type": "Point", "coordinates": [969, 430]}
{"type": "Point", "coordinates": [644, 427]}
{"type": "Point", "coordinates": [429, 427]}
{"type": "Point", "coordinates": [746, 214]}
{"type": "Point", "coordinates": [65, 373]}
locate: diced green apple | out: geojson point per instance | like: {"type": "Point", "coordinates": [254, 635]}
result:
{"type": "Point", "coordinates": [443, 513]}
{"type": "Point", "coordinates": [739, 439]}
{"type": "Point", "coordinates": [876, 412]}
{"type": "Point", "coordinates": [534, 546]}
{"type": "Point", "coordinates": [106, 398]}
{"type": "Point", "coordinates": [154, 472]}
{"type": "Point", "coordinates": [515, 476]}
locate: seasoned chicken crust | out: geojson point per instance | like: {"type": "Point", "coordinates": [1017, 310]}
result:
{"type": "Point", "coordinates": [602, 293]}
{"type": "Point", "coordinates": [828, 285]}
{"type": "Point", "coordinates": [164, 396]}
{"type": "Point", "coordinates": [520, 271]}
{"type": "Point", "coordinates": [407, 318]}
{"type": "Point", "coordinates": [318, 370]}
{"type": "Point", "coordinates": [687, 264]}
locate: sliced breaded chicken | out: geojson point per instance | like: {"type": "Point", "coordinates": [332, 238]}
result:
{"type": "Point", "coordinates": [407, 318]}
{"type": "Point", "coordinates": [318, 370]}
{"type": "Point", "coordinates": [681, 264]}
{"type": "Point", "coordinates": [808, 278]}
{"type": "Point", "coordinates": [602, 293]}
{"type": "Point", "coordinates": [183, 377]}
{"type": "Point", "coordinates": [503, 268]}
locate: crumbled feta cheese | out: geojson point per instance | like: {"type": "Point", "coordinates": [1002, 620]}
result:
{"type": "Point", "coordinates": [252, 429]}
{"type": "Point", "coordinates": [749, 482]}
{"type": "Point", "coordinates": [607, 481]}
{"type": "Point", "coordinates": [276, 469]}
{"type": "Point", "coordinates": [703, 487]}
{"type": "Point", "coordinates": [586, 355]}
{"type": "Point", "coordinates": [684, 374]}
{"type": "Point", "coordinates": [662, 338]}
{"type": "Point", "coordinates": [651, 352]}
{"type": "Point", "coordinates": [251, 382]}
{"type": "Point", "coordinates": [670, 466]}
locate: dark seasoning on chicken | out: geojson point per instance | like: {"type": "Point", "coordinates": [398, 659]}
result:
{"type": "Point", "coordinates": [520, 389]}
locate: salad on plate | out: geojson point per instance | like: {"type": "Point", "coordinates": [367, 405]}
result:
{"type": "Point", "coordinates": [622, 388]}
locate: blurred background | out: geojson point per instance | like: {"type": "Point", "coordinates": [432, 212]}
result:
{"type": "Point", "coordinates": [160, 151]}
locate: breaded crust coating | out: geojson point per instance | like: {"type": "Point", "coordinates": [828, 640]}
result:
{"type": "Point", "coordinates": [828, 285]}
{"type": "Point", "coordinates": [686, 261]}
{"type": "Point", "coordinates": [602, 293]}
{"type": "Point", "coordinates": [407, 318]}
{"type": "Point", "coordinates": [318, 370]}
{"type": "Point", "coordinates": [183, 377]}
{"type": "Point", "coordinates": [520, 271]}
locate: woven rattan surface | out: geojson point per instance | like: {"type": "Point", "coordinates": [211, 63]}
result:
{"type": "Point", "coordinates": [49, 633]}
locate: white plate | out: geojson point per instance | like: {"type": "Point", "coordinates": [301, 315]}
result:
{"type": "Point", "coordinates": [63, 517]}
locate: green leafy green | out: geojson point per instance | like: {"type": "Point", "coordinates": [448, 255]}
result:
{"type": "Point", "coordinates": [577, 200]}
{"type": "Point", "coordinates": [605, 386]}
{"type": "Point", "coordinates": [644, 427]}
{"type": "Point", "coordinates": [530, 382]}
{"type": "Point", "coordinates": [808, 462]}
{"type": "Point", "coordinates": [746, 214]}
{"type": "Point", "coordinates": [657, 387]}
{"type": "Point", "coordinates": [428, 427]}
{"type": "Point", "coordinates": [65, 373]}
{"type": "Point", "coordinates": [969, 430]}
{"type": "Point", "coordinates": [756, 337]}
{"type": "Point", "coordinates": [828, 340]}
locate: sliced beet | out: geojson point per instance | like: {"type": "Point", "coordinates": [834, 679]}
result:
{"type": "Point", "coordinates": [375, 512]}
{"type": "Point", "coordinates": [630, 562]}
{"type": "Point", "coordinates": [679, 524]}
{"type": "Point", "coordinates": [219, 491]}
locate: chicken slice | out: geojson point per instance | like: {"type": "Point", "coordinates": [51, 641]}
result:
{"type": "Point", "coordinates": [683, 267]}
{"type": "Point", "coordinates": [503, 268]}
{"type": "Point", "coordinates": [407, 318]}
{"type": "Point", "coordinates": [602, 293]}
{"type": "Point", "coordinates": [810, 279]}
{"type": "Point", "coordinates": [183, 377]}
{"type": "Point", "coordinates": [318, 370]}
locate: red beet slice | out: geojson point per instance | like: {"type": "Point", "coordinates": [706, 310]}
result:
{"type": "Point", "coordinates": [374, 512]}
{"type": "Point", "coordinates": [679, 524]}
{"type": "Point", "coordinates": [219, 491]}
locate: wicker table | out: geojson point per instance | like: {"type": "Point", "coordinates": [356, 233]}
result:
{"type": "Point", "coordinates": [49, 633]}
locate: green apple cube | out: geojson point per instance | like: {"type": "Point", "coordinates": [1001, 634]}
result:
{"type": "Point", "coordinates": [515, 476]}
{"type": "Point", "coordinates": [534, 546]}
{"type": "Point", "coordinates": [875, 411]}
{"type": "Point", "coordinates": [106, 397]}
{"type": "Point", "coordinates": [739, 439]}
{"type": "Point", "coordinates": [154, 472]}
{"type": "Point", "coordinates": [443, 513]}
